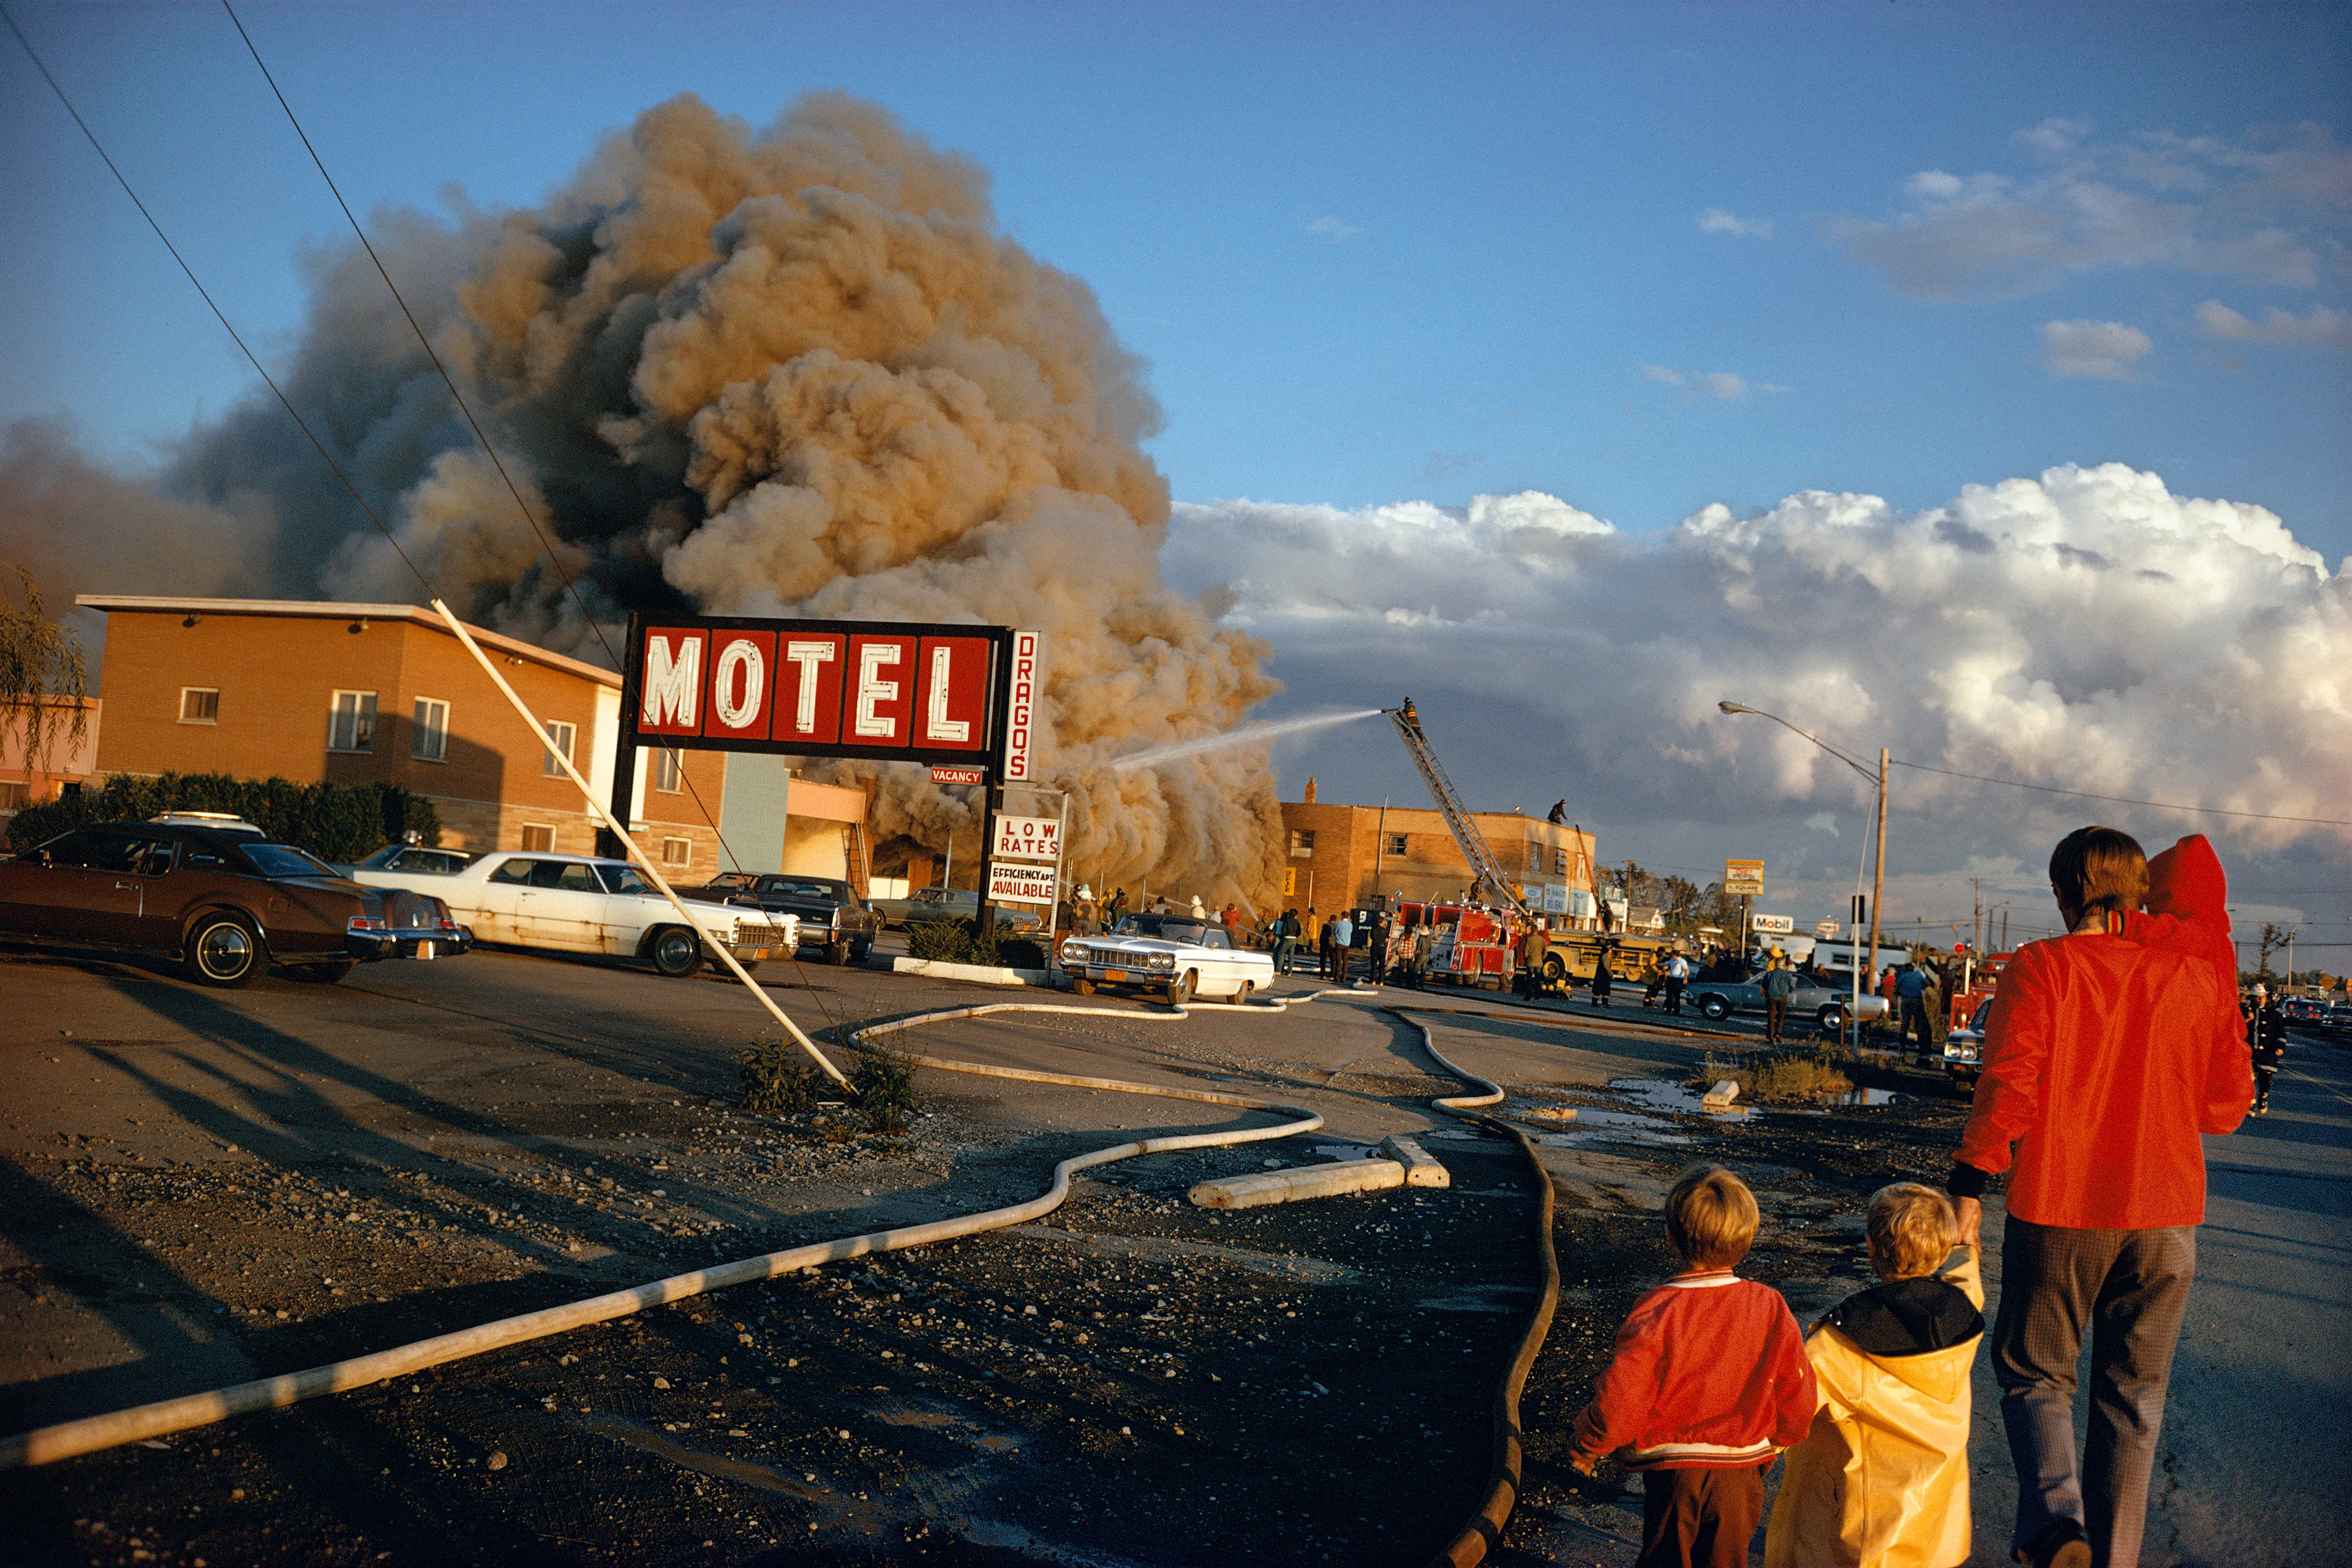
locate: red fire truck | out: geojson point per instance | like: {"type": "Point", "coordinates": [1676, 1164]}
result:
{"type": "Point", "coordinates": [1470, 944]}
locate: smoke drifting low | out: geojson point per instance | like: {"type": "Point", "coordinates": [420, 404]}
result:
{"type": "Point", "coordinates": [795, 371]}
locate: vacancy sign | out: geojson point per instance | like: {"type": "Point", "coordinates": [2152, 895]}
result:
{"type": "Point", "coordinates": [1029, 837]}
{"type": "Point", "coordinates": [958, 775]}
{"type": "Point", "coordinates": [1020, 884]}
{"type": "Point", "coordinates": [1743, 876]}
{"type": "Point", "coordinates": [819, 688]}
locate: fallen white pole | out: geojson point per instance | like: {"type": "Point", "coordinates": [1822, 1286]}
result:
{"type": "Point", "coordinates": [629, 845]}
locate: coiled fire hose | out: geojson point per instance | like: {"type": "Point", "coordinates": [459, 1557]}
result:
{"type": "Point", "coordinates": [69, 1439]}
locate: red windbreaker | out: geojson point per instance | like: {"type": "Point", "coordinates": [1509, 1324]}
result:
{"type": "Point", "coordinates": [1710, 1373]}
{"type": "Point", "coordinates": [2105, 1056]}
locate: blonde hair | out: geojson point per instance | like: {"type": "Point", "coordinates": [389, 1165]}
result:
{"type": "Point", "coordinates": [1711, 1216]}
{"type": "Point", "coordinates": [1912, 1230]}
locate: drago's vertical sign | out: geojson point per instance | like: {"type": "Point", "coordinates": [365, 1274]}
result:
{"type": "Point", "coordinates": [1021, 709]}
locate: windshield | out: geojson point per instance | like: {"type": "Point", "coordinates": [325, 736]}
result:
{"type": "Point", "coordinates": [285, 861]}
{"type": "Point", "coordinates": [1166, 928]}
{"type": "Point", "coordinates": [782, 887]}
{"type": "Point", "coordinates": [623, 879]}
{"type": "Point", "coordinates": [380, 859]}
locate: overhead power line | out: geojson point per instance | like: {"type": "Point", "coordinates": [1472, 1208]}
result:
{"type": "Point", "coordinates": [2123, 800]}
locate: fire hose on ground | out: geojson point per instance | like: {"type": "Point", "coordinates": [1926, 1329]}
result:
{"type": "Point", "coordinates": [142, 1423]}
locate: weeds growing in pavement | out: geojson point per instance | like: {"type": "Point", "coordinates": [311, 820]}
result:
{"type": "Point", "coordinates": [961, 942]}
{"type": "Point", "coordinates": [1776, 1078]}
{"type": "Point", "coordinates": [883, 1085]}
{"type": "Point", "coordinates": [778, 1078]}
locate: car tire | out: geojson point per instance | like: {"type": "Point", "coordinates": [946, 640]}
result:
{"type": "Point", "coordinates": [1714, 1009]}
{"type": "Point", "coordinates": [322, 974]}
{"type": "Point", "coordinates": [1242, 995]}
{"type": "Point", "coordinates": [225, 950]}
{"type": "Point", "coordinates": [837, 954]}
{"type": "Point", "coordinates": [859, 949]}
{"type": "Point", "coordinates": [1833, 1019]}
{"type": "Point", "coordinates": [1554, 973]}
{"type": "Point", "coordinates": [674, 951]}
{"type": "Point", "coordinates": [1082, 987]}
{"type": "Point", "coordinates": [1178, 992]}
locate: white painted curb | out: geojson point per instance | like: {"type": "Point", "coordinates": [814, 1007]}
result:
{"type": "Point", "coordinates": [1304, 1182]}
{"type": "Point", "coordinates": [981, 973]}
{"type": "Point", "coordinates": [1420, 1170]}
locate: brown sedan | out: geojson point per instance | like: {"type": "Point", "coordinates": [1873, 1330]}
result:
{"type": "Point", "coordinates": [225, 906]}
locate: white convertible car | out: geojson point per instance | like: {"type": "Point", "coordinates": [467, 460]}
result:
{"type": "Point", "coordinates": [576, 904]}
{"type": "Point", "coordinates": [1175, 956]}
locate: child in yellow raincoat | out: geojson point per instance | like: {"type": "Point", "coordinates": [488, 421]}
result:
{"type": "Point", "coordinates": [1882, 1479]}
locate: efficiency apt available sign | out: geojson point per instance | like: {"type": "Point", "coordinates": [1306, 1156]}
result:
{"type": "Point", "coordinates": [890, 692]}
{"type": "Point", "coordinates": [1020, 884]}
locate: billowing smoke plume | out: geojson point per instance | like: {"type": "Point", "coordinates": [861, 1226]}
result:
{"type": "Point", "coordinates": [795, 371]}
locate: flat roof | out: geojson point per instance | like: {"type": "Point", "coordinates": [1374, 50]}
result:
{"type": "Point", "coordinates": [316, 609]}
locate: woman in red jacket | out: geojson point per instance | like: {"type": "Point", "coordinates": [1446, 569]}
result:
{"type": "Point", "coordinates": [2108, 1052]}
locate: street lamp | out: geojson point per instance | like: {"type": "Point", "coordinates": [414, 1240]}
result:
{"type": "Point", "coordinates": [1878, 871]}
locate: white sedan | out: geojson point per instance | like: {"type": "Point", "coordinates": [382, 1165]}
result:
{"type": "Point", "coordinates": [1174, 955]}
{"type": "Point", "coordinates": [573, 903]}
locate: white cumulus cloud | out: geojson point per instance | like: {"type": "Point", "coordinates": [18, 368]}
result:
{"type": "Point", "coordinates": [2268, 207]}
{"type": "Point", "coordinates": [1721, 383]}
{"type": "Point", "coordinates": [2321, 328]}
{"type": "Point", "coordinates": [2107, 349]}
{"type": "Point", "coordinates": [2085, 629]}
{"type": "Point", "coordinates": [1333, 230]}
{"type": "Point", "coordinates": [1715, 220]}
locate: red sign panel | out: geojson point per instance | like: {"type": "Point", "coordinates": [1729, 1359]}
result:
{"type": "Point", "coordinates": [1021, 709]}
{"type": "Point", "coordinates": [952, 711]}
{"type": "Point", "coordinates": [956, 775]}
{"type": "Point", "coordinates": [809, 670]}
{"type": "Point", "coordinates": [669, 694]}
{"type": "Point", "coordinates": [741, 691]}
{"type": "Point", "coordinates": [880, 690]}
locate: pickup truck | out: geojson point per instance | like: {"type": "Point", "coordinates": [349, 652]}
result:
{"type": "Point", "coordinates": [832, 915]}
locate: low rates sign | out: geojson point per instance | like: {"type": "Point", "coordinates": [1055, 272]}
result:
{"type": "Point", "coordinates": [1029, 837]}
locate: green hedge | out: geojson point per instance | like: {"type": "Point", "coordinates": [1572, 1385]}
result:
{"type": "Point", "coordinates": [338, 823]}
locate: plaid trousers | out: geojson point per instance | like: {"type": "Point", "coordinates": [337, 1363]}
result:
{"type": "Point", "coordinates": [2130, 1289]}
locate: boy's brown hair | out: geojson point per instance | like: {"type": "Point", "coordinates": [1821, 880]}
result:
{"type": "Point", "coordinates": [1912, 1230]}
{"type": "Point", "coordinates": [1711, 1216]}
{"type": "Point", "coordinates": [2099, 869]}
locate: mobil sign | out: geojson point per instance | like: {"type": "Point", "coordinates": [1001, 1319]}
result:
{"type": "Point", "coordinates": [825, 688]}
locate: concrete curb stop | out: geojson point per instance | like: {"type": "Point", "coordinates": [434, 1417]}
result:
{"type": "Point", "coordinates": [1304, 1182]}
{"type": "Point", "coordinates": [982, 973]}
{"type": "Point", "coordinates": [1419, 1169]}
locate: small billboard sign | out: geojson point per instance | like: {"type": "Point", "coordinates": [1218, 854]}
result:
{"type": "Point", "coordinates": [1021, 704]}
{"type": "Point", "coordinates": [1743, 876]}
{"type": "Point", "coordinates": [1826, 928]}
{"type": "Point", "coordinates": [951, 775]}
{"type": "Point", "coordinates": [1020, 884]}
{"type": "Point", "coordinates": [1029, 837]}
{"type": "Point", "coordinates": [1772, 925]}
{"type": "Point", "coordinates": [1555, 899]}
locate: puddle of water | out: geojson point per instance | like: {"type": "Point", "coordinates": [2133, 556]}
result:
{"type": "Point", "coordinates": [1347, 1152]}
{"type": "Point", "coordinates": [1614, 1127]}
{"type": "Point", "coordinates": [1657, 1094]}
{"type": "Point", "coordinates": [1874, 1097]}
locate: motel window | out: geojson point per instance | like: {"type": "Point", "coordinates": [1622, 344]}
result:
{"type": "Point", "coordinates": [1302, 841]}
{"type": "Point", "coordinates": [669, 769]}
{"type": "Point", "coordinates": [199, 705]}
{"type": "Point", "coordinates": [538, 839]}
{"type": "Point", "coordinates": [559, 744]}
{"type": "Point", "coordinates": [1396, 845]}
{"type": "Point", "coordinates": [14, 796]}
{"type": "Point", "coordinates": [1559, 862]}
{"type": "Point", "coordinates": [351, 725]}
{"type": "Point", "coordinates": [676, 851]}
{"type": "Point", "coordinates": [428, 737]}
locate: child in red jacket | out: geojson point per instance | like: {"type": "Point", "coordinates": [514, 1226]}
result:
{"type": "Point", "coordinates": [1710, 1381]}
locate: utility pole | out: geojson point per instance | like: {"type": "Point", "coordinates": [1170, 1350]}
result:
{"type": "Point", "coordinates": [1976, 937]}
{"type": "Point", "coordinates": [1379, 847]}
{"type": "Point", "coordinates": [1878, 874]}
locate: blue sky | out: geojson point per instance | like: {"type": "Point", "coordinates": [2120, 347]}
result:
{"type": "Point", "coordinates": [1642, 258]}
{"type": "Point", "coordinates": [1372, 252]}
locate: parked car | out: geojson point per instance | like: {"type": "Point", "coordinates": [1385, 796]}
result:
{"type": "Point", "coordinates": [1174, 956]}
{"type": "Point", "coordinates": [224, 905]}
{"type": "Point", "coordinates": [577, 903]}
{"type": "Point", "coordinates": [932, 904]}
{"type": "Point", "coordinates": [1827, 1003]}
{"type": "Point", "coordinates": [2305, 1010]}
{"type": "Point", "coordinates": [830, 914]}
{"type": "Point", "coordinates": [1964, 1046]}
{"type": "Point", "coordinates": [218, 821]}
{"type": "Point", "coordinates": [418, 857]}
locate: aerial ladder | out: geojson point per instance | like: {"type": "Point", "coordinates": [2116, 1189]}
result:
{"type": "Point", "coordinates": [1458, 820]}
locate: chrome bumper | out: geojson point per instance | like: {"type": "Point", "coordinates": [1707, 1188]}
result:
{"type": "Point", "coordinates": [408, 941]}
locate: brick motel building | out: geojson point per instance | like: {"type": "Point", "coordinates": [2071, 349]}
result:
{"type": "Point", "coordinates": [1339, 855]}
{"type": "Point", "coordinates": [353, 694]}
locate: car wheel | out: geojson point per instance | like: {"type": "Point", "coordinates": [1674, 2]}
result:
{"type": "Point", "coordinates": [1715, 1008]}
{"type": "Point", "coordinates": [322, 974]}
{"type": "Point", "coordinates": [858, 950]}
{"type": "Point", "coordinates": [837, 954]}
{"type": "Point", "coordinates": [1083, 987]}
{"type": "Point", "coordinates": [675, 952]}
{"type": "Point", "coordinates": [224, 950]}
{"type": "Point", "coordinates": [1178, 992]}
{"type": "Point", "coordinates": [1554, 973]}
{"type": "Point", "coordinates": [1833, 1019]}
{"type": "Point", "coordinates": [1242, 996]}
